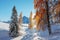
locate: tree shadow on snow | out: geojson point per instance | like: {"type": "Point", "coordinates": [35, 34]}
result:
{"type": "Point", "coordinates": [27, 37]}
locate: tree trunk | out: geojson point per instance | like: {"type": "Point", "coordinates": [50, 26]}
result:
{"type": "Point", "coordinates": [47, 9]}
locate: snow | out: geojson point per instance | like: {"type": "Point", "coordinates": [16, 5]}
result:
{"type": "Point", "coordinates": [30, 34]}
{"type": "Point", "coordinates": [4, 28]}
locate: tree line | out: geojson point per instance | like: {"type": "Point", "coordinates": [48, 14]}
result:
{"type": "Point", "coordinates": [47, 11]}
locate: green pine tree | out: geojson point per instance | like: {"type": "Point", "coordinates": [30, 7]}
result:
{"type": "Point", "coordinates": [14, 24]}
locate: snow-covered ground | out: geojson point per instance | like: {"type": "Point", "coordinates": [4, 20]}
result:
{"type": "Point", "coordinates": [4, 28]}
{"type": "Point", "coordinates": [30, 34]}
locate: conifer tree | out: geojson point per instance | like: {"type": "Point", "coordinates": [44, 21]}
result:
{"type": "Point", "coordinates": [20, 19]}
{"type": "Point", "coordinates": [14, 24]}
{"type": "Point", "coordinates": [30, 24]}
{"type": "Point", "coordinates": [42, 7]}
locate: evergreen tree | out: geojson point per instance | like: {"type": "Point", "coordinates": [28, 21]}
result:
{"type": "Point", "coordinates": [14, 24]}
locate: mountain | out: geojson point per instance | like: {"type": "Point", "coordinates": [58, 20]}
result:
{"type": "Point", "coordinates": [25, 20]}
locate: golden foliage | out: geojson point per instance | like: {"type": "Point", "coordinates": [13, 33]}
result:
{"type": "Point", "coordinates": [57, 8]}
{"type": "Point", "coordinates": [30, 24]}
{"type": "Point", "coordinates": [40, 13]}
{"type": "Point", "coordinates": [37, 3]}
{"type": "Point", "coordinates": [20, 19]}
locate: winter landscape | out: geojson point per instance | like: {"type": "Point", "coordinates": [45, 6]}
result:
{"type": "Point", "coordinates": [30, 20]}
{"type": "Point", "coordinates": [28, 34]}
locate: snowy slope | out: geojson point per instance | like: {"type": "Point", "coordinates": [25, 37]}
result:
{"type": "Point", "coordinates": [4, 28]}
{"type": "Point", "coordinates": [30, 34]}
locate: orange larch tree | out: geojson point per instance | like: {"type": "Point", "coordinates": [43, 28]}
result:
{"type": "Point", "coordinates": [42, 7]}
{"type": "Point", "coordinates": [20, 18]}
{"type": "Point", "coordinates": [30, 20]}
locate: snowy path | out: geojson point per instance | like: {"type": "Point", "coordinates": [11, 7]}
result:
{"type": "Point", "coordinates": [28, 34]}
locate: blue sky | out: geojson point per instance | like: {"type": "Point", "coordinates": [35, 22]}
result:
{"type": "Point", "coordinates": [24, 6]}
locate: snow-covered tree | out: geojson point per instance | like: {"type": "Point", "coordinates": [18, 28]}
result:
{"type": "Point", "coordinates": [42, 7]}
{"type": "Point", "coordinates": [56, 11]}
{"type": "Point", "coordinates": [54, 7]}
{"type": "Point", "coordinates": [14, 24]}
